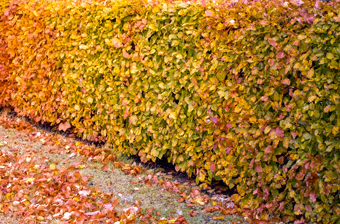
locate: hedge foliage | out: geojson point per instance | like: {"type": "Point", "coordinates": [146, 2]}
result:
{"type": "Point", "coordinates": [245, 92]}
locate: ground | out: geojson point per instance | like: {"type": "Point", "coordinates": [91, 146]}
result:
{"type": "Point", "coordinates": [51, 178]}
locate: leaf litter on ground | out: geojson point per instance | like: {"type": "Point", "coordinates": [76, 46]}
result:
{"type": "Point", "coordinates": [49, 178]}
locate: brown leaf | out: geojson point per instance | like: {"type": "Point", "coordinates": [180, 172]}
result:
{"type": "Point", "coordinates": [180, 200]}
{"type": "Point", "coordinates": [192, 213]}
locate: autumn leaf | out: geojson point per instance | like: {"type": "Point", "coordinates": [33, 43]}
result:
{"type": "Point", "coordinates": [294, 135]}
{"type": "Point", "coordinates": [192, 213]}
{"type": "Point", "coordinates": [264, 98]}
{"type": "Point", "coordinates": [218, 217]}
{"type": "Point", "coordinates": [269, 149]}
{"type": "Point", "coordinates": [280, 55]}
{"type": "Point", "coordinates": [258, 169]}
{"type": "Point", "coordinates": [64, 126]}
{"type": "Point", "coordinates": [286, 82]}
{"type": "Point", "coordinates": [52, 166]}
{"type": "Point", "coordinates": [312, 196]}
{"type": "Point", "coordinates": [212, 167]}
{"type": "Point", "coordinates": [272, 42]}
{"type": "Point", "coordinates": [208, 13]}
{"type": "Point", "coordinates": [279, 132]}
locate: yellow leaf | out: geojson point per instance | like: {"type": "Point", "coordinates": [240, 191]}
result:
{"type": "Point", "coordinates": [199, 200]}
{"type": "Point", "coordinates": [90, 99]}
{"type": "Point", "coordinates": [237, 109]}
{"type": "Point", "coordinates": [9, 195]}
{"type": "Point", "coordinates": [172, 115]}
{"type": "Point", "coordinates": [40, 218]}
{"type": "Point", "coordinates": [286, 142]}
{"type": "Point", "coordinates": [83, 47]}
{"type": "Point", "coordinates": [35, 13]}
{"type": "Point", "coordinates": [27, 203]}
{"type": "Point", "coordinates": [52, 166]}
{"type": "Point", "coordinates": [218, 217]}
{"type": "Point", "coordinates": [310, 73]}
{"type": "Point", "coordinates": [267, 129]}
{"type": "Point", "coordinates": [29, 180]}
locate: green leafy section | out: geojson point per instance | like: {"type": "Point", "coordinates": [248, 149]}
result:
{"type": "Point", "coordinates": [243, 92]}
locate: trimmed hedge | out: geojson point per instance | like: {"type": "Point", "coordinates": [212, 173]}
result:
{"type": "Point", "coordinates": [243, 92]}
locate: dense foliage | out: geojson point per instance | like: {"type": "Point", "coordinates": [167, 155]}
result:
{"type": "Point", "coordinates": [245, 92]}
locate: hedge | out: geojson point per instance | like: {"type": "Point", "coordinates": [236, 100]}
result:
{"type": "Point", "coordinates": [244, 92]}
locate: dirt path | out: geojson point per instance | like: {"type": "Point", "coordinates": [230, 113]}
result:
{"type": "Point", "coordinates": [50, 178]}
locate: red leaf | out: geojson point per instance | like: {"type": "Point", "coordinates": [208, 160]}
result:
{"type": "Point", "coordinates": [286, 82]}
{"type": "Point", "coordinates": [337, 19]}
{"type": "Point", "coordinates": [264, 98]}
{"type": "Point", "coordinates": [203, 3]}
{"type": "Point", "coordinates": [297, 2]}
{"type": "Point", "coordinates": [268, 149]}
{"type": "Point", "coordinates": [279, 132]}
{"type": "Point", "coordinates": [317, 6]}
{"type": "Point", "coordinates": [312, 196]}
{"type": "Point", "coordinates": [228, 150]}
{"type": "Point", "coordinates": [310, 19]}
{"type": "Point", "coordinates": [307, 165]}
{"type": "Point", "coordinates": [126, 55]}
{"type": "Point", "coordinates": [308, 208]}
{"type": "Point", "coordinates": [105, 167]}
{"type": "Point", "coordinates": [280, 55]}
{"type": "Point", "coordinates": [272, 42]}
{"type": "Point", "coordinates": [192, 213]}
{"type": "Point", "coordinates": [64, 126]}
{"type": "Point", "coordinates": [294, 135]}
{"type": "Point", "coordinates": [212, 167]}
{"type": "Point", "coordinates": [6, 13]}
{"type": "Point", "coordinates": [258, 169]}
{"type": "Point", "coordinates": [208, 13]}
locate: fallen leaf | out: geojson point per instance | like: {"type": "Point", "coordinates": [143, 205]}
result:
{"type": "Point", "coordinates": [52, 166]}
{"type": "Point", "coordinates": [218, 217]}
{"type": "Point", "coordinates": [192, 213]}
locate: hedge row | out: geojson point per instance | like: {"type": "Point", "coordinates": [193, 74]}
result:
{"type": "Point", "coordinates": [244, 92]}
